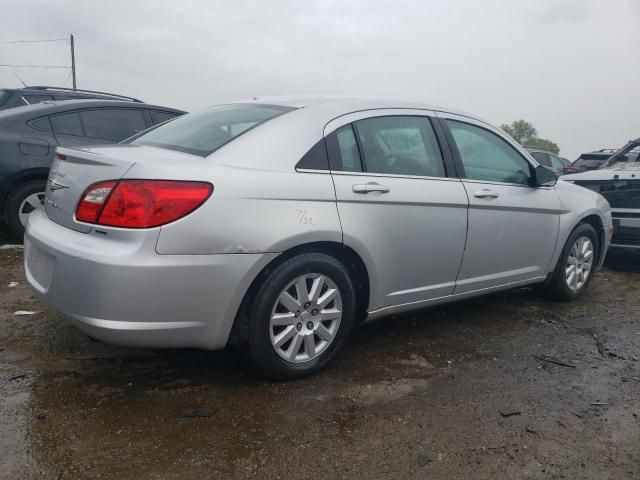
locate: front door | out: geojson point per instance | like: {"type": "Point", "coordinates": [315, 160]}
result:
{"type": "Point", "coordinates": [397, 204]}
{"type": "Point", "coordinates": [513, 226]}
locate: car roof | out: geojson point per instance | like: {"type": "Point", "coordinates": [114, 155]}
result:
{"type": "Point", "coordinates": [55, 106]}
{"type": "Point", "coordinates": [62, 91]}
{"type": "Point", "coordinates": [348, 104]}
{"type": "Point", "coordinates": [536, 149]}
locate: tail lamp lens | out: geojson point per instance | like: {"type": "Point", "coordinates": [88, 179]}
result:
{"type": "Point", "coordinates": [140, 203]}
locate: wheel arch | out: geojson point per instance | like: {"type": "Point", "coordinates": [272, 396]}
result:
{"type": "Point", "coordinates": [597, 223]}
{"type": "Point", "coordinates": [346, 255]}
{"type": "Point", "coordinates": [17, 179]}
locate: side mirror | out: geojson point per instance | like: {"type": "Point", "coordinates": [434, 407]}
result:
{"type": "Point", "coordinates": [543, 176]}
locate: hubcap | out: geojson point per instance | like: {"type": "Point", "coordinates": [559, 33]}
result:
{"type": "Point", "coordinates": [33, 202]}
{"type": "Point", "coordinates": [579, 263]}
{"type": "Point", "coordinates": [305, 318]}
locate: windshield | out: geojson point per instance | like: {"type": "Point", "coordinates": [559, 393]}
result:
{"type": "Point", "coordinates": [629, 153]}
{"type": "Point", "coordinates": [202, 133]}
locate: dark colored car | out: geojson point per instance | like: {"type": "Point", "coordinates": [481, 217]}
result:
{"type": "Point", "coordinates": [19, 97]}
{"type": "Point", "coordinates": [29, 136]}
{"type": "Point", "coordinates": [548, 159]}
{"type": "Point", "coordinates": [590, 161]}
{"type": "Point", "coordinates": [618, 180]}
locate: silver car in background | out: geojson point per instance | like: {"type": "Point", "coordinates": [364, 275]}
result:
{"type": "Point", "coordinates": [278, 224]}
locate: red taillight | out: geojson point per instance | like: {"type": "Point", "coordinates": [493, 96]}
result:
{"type": "Point", "coordinates": [569, 168]}
{"type": "Point", "coordinates": [140, 203]}
{"type": "Point", "coordinates": [61, 156]}
{"type": "Point", "coordinates": [93, 201]}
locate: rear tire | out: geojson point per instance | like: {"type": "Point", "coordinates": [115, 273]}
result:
{"type": "Point", "coordinates": [574, 269]}
{"type": "Point", "coordinates": [300, 317]}
{"type": "Point", "coordinates": [22, 201]}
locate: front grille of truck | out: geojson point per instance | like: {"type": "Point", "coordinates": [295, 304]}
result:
{"type": "Point", "coordinates": [619, 193]}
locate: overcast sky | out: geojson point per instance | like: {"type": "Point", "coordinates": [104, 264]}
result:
{"type": "Point", "coordinates": [571, 67]}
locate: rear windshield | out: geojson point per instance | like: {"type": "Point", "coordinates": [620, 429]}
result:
{"type": "Point", "coordinates": [202, 133]}
{"type": "Point", "coordinates": [590, 160]}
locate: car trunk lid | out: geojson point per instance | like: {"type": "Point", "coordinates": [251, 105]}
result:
{"type": "Point", "coordinates": [71, 173]}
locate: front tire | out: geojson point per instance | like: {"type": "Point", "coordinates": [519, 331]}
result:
{"type": "Point", "coordinates": [302, 315]}
{"type": "Point", "coordinates": [574, 269]}
{"type": "Point", "coordinates": [23, 200]}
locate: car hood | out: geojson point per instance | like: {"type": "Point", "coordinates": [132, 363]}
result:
{"type": "Point", "coordinates": [615, 172]}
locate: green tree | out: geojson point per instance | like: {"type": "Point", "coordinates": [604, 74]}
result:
{"type": "Point", "coordinates": [525, 133]}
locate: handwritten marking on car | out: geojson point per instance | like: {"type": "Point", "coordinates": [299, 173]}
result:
{"type": "Point", "coordinates": [304, 218]}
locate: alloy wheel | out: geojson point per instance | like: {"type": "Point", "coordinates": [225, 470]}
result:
{"type": "Point", "coordinates": [579, 263]}
{"type": "Point", "coordinates": [33, 202]}
{"type": "Point", "coordinates": [305, 318]}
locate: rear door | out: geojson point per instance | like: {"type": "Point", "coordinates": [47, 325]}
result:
{"type": "Point", "coordinates": [513, 226]}
{"type": "Point", "coordinates": [398, 203]}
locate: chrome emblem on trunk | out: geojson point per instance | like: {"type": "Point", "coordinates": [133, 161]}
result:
{"type": "Point", "coordinates": [55, 185]}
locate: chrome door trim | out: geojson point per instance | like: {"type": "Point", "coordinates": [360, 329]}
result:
{"type": "Point", "coordinates": [479, 123]}
{"type": "Point", "coordinates": [381, 175]}
{"type": "Point", "coordinates": [404, 307]}
{"type": "Point", "coordinates": [342, 120]}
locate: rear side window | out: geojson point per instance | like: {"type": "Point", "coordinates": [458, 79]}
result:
{"type": "Point", "coordinates": [41, 124]}
{"type": "Point", "coordinates": [67, 124]}
{"type": "Point", "coordinates": [343, 150]}
{"type": "Point", "coordinates": [202, 133]}
{"type": "Point", "coordinates": [158, 116]}
{"type": "Point", "coordinates": [400, 146]}
{"type": "Point", "coordinates": [112, 124]}
{"type": "Point", "coordinates": [487, 157]}
{"type": "Point", "coordinates": [4, 96]}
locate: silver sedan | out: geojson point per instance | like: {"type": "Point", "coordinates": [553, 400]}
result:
{"type": "Point", "coordinates": [278, 224]}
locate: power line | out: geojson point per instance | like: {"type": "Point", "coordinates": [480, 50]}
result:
{"type": "Point", "coordinates": [37, 41]}
{"type": "Point", "coordinates": [34, 66]}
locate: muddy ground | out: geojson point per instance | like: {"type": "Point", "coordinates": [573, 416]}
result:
{"type": "Point", "coordinates": [469, 391]}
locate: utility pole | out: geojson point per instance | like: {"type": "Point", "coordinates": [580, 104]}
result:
{"type": "Point", "coordinates": [73, 63]}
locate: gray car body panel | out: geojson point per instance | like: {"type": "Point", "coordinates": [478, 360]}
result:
{"type": "Point", "coordinates": [27, 153]}
{"type": "Point", "coordinates": [440, 243]}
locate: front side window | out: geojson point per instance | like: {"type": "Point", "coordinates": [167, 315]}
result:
{"type": "Point", "coordinates": [112, 124]}
{"type": "Point", "coordinates": [400, 146]}
{"type": "Point", "coordinates": [202, 133]}
{"type": "Point", "coordinates": [487, 157]}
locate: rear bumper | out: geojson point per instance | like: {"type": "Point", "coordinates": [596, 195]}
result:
{"type": "Point", "coordinates": [119, 290]}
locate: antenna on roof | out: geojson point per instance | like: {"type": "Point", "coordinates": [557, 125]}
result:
{"type": "Point", "coordinates": [21, 81]}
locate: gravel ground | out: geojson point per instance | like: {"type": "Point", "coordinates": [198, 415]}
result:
{"type": "Point", "coordinates": [506, 386]}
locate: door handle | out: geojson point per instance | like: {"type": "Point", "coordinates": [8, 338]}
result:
{"type": "Point", "coordinates": [370, 187]}
{"type": "Point", "coordinates": [486, 193]}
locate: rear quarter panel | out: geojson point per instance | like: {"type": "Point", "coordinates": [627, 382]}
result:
{"type": "Point", "coordinates": [256, 211]}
